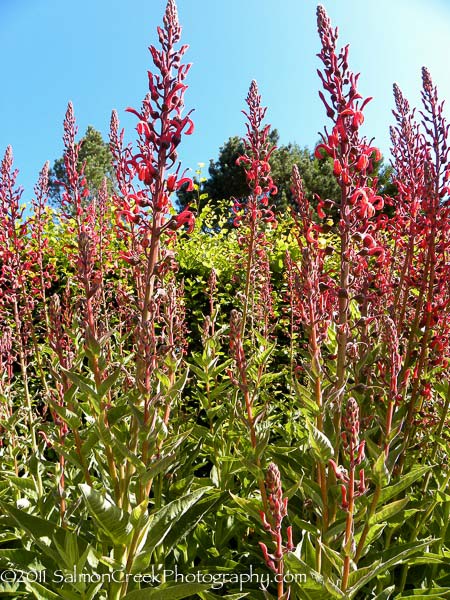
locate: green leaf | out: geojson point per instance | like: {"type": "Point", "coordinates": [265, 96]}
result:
{"type": "Point", "coordinates": [388, 511]}
{"type": "Point", "coordinates": [22, 483]}
{"type": "Point", "coordinates": [442, 387]}
{"type": "Point", "coordinates": [385, 594]}
{"type": "Point", "coordinates": [92, 344]}
{"type": "Point", "coordinates": [321, 446]}
{"type": "Point", "coordinates": [169, 592]}
{"type": "Point", "coordinates": [335, 558]}
{"type": "Point", "coordinates": [67, 415]}
{"type": "Point", "coordinates": [379, 567]}
{"type": "Point", "coordinates": [429, 558]}
{"type": "Point", "coordinates": [304, 396]}
{"type": "Point", "coordinates": [380, 472]}
{"type": "Point", "coordinates": [16, 556]}
{"type": "Point", "coordinates": [406, 481]}
{"type": "Point", "coordinates": [250, 508]}
{"type": "Point", "coordinates": [9, 590]}
{"type": "Point", "coordinates": [189, 519]}
{"type": "Point", "coordinates": [355, 576]}
{"type": "Point", "coordinates": [160, 465]}
{"type": "Point", "coordinates": [179, 384]}
{"type": "Point", "coordinates": [40, 592]}
{"type": "Point", "coordinates": [109, 517]}
{"type": "Point", "coordinates": [168, 516]}
{"type": "Point", "coordinates": [439, 593]}
{"type": "Point", "coordinates": [374, 533]}
{"type": "Point", "coordinates": [119, 449]}
{"type": "Point", "coordinates": [211, 596]}
{"type": "Point", "coordinates": [83, 383]}
{"type": "Point", "coordinates": [107, 384]}
{"type": "Point", "coordinates": [44, 531]}
{"type": "Point", "coordinates": [316, 586]}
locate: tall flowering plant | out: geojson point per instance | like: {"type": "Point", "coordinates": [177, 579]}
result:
{"type": "Point", "coordinates": [253, 212]}
{"type": "Point", "coordinates": [360, 253]}
{"type": "Point", "coordinates": [146, 178]}
{"type": "Point", "coordinates": [424, 194]}
{"type": "Point", "coordinates": [338, 297]}
{"type": "Point", "coordinates": [334, 296]}
{"type": "Point", "coordinates": [253, 327]}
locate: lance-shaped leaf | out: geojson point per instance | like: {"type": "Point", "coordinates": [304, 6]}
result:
{"type": "Point", "coordinates": [167, 518]}
{"type": "Point", "coordinates": [321, 446]}
{"type": "Point", "coordinates": [170, 592]}
{"type": "Point", "coordinates": [110, 518]}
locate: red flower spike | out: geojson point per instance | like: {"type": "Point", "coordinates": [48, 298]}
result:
{"type": "Point", "coordinates": [272, 523]}
{"type": "Point", "coordinates": [161, 124]}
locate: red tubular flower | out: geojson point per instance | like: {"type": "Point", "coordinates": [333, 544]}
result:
{"type": "Point", "coordinates": [322, 151]}
{"type": "Point", "coordinates": [362, 163]}
{"type": "Point", "coordinates": [337, 168]}
{"type": "Point", "coordinates": [186, 217]}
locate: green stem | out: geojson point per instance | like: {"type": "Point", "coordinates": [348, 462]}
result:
{"type": "Point", "coordinates": [248, 272]}
{"type": "Point", "coordinates": [349, 529]}
{"type": "Point", "coordinates": [362, 539]}
{"type": "Point", "coordinates": [28, 402]}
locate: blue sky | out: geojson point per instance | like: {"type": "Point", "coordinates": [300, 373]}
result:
{"type": "Point", "coordinates": [94, 52]}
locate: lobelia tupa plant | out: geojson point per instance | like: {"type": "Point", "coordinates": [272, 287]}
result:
{"type": "Point", "coordinates": [250, 330]}
{"type": "Point", "coordinates": [162, 373]}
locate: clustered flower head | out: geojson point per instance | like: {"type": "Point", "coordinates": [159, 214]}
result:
{"type": "Point", "coordinates": [277, 507]}
{"type": "Point", "coordinates": [360, 222]}
{"type": "Point", "coordinates": [41, 248]}
{"type": "Point", "coordinates": [421, 172]}
{"type": "Point", "coordinates": [353, 158]}
{"type": "Point", "coordinates": [82, 217]}
{"type": "Point", "coordinates": [160, 128]}
{"type": "Point", "coordinates": [394, 359]}
{"type": "Point", "coordinates": [75, 190]}
{"type": "Point", "coordinates": [344, 108]}
{"type": "Point", "coordinates": [354, 449]}
{"type": "Point", "coordinates": [255, 161]}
